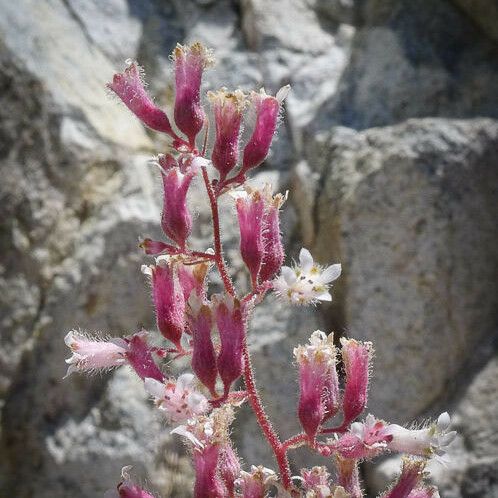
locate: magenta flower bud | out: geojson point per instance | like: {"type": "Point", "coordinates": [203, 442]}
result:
{"type": "Point", "coordinates": [356, 357]}
{"type": "Point", "coordinates": [128, 86]}
{"type": "Point", "coordinates": [139, 356]}
{"type": "Point", "coordinates": [315, 363]}
{"type": "Point", "coordinates": [176, 220]}
{"type": "Point", "coordinates": [127, 489]}
{"type": "Point", "coordinates": [274, 253]}
{"type": "Point", "coordinates": [348, 476]}
{"type": "Point", "coordinates": [190, 62]}
{"type": "Point", "coordinates": [207, 481]}
{"type": "Point", "coordinates": [250, 207]}
{"type": "Point", "coordinates": [412, 473]}
{"type": "Point", "coordinates": [424, 492]}
{"type": "Point", "coordinates": [168, 298]}
{"type": "Point", "coordinates": [228, 108]}
{"type": "Point", "coordinates": [267, 110]}
{"type": "Point", "coordinates": [154, 247]}
{"type": "Point", "coordinates": [93, 354]}
{"type": "Point", "coordinates": [203, 353]}
{"type": "Point", "coordinates": [230, 323]}
{"type": "Point", "coordinates": [229, 466]}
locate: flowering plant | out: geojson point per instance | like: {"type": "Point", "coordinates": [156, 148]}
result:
{"type": "Point", "coordinates": [211, 329]}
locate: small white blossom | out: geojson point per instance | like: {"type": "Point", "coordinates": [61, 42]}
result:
{"type": "Point", "coordinates": [179, 400]}
{"type": "Point", "coordinates": [427, 442]}
{"type": "Point", "coordinates": [306, 283]}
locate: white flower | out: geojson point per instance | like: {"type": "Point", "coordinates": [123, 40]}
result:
{"type": "Point", "coordinates": [320, 349]}
{"type": "Point", "coordinates": [307, 283]}
{"type": "Point", "coordinates": [179, 400]}
{"type": "Point", "coordinates": [91, 354]}
{"type": "Point", "coordinates": [427, 442]}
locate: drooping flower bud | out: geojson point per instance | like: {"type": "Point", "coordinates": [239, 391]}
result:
{"type": "Point", "coordinates": [128, 86]}
{"type": "Point", "coordinates": [274, 253]}
{"type": "Point", "coordinates": [190, 62]}
{"type": "Point", "coordinates": [267, 110]}
{"type": "Point", "coordinates": [228, 108]}
{"type": "Point", "coordinates": [306, 283]}
{"type": "Point", "coordinates": [316, 361]}
{"type": "Point", "coordinates": [127, 489]}
{"type": "Point", "coordinates": [348, 476]}
{"type": "Point", "coordinates": [93, 354]}
{"type": "Point", "coordinates": [256, 483]}
{"type": "Point", "coordinates": [178, 398]}
{"type": "Point", "coordinates": [229, 466]}
{"type": "Point", "coordinates": [250, 207]}
{"type": "Point", "coordinates": [203, 353]}
{"type": "Point", "coordinates": [412, 473]}
{"type": "Point", "coordinates": [176, 220]}
{"type": "Point", "coordinates": [139, 355]}
{"type": "Point", "coordinates": [356, 357]}
{"type": "Point", "coordinates": [168, 298]}
{"type": "Point", "coordinates": [230, 323]}
{"type": "Point", "coordinates": [427, 442]}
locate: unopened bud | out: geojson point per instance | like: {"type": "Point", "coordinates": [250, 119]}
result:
{"type": "Point", "coordinates": [139, 355]}
{"type": "Point", "coordinates": [412, 473]}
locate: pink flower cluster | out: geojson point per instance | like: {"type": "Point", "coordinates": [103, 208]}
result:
{"type": "Point", "coordinates": [211, 329]}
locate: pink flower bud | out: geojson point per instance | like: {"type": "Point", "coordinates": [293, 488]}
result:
{"type": "Point", "coordinates": [190, 62]}
{"type": "Point", "coordinates": [178, 399]}
{"type": "Point", "coordinates": [230, 322]}
{"type": "Point", "coordinates": [229, 466]}
{"type": "Point", "coordinates": [203, 353]}
{"type": "Point", "coordinates": [256, 483]}
{"type": "Point", "coordinates": [154, 247]}
{"type": "Point", "coordinates": [90, 354]}
{"type": "Point", "coordinates": [315, 361]}
{"type": "Point", "coordinates": [128, 86]}
{"type": "Point", "coordinates": [425, 492]}
{"type": "Point", "coordinates": [356, 357]}
{"type": "Point", "coordinates": [412, 473]}
{"type": "Point", "coordinates": [127, 489]}
{"type": "Point", "coordinates": [140, 357]}
{"type": "Point", "coordinates": [267, 110]}
{"type": "Point", "coordinates": [228, 108]}
{"type": "Point", "coordinates": [348, 476]}
{"type": "Point", "coordinates": [274, 253]}
{"type": "Point", "coordinates": [316, 482]}
{"type": "Point", "coordinates": [176, 220]}
{"type": "Point", "coordinates": [250, 207]}
{"type": "Point", "coordinates": [168, 298]}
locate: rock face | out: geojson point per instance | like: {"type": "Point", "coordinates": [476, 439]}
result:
{"type": "Point", "coordinates": [409, 208]}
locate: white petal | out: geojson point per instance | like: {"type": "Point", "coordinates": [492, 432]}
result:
{"type": "Point", "coordinates": [447, 439]}
{"type": "Point", "coordinates": [305, 260]}
{"type": "Point", "coordinates": [199, 161]}
{"type": "Point", "coordinates": [146, 270]}
{"type": "Point", "coordinates": [69, 339]}
{"type": "Point", "coordinates": [119, 342]}
{"type": "Point", "coordinates": [288, 274]}
{"type": "Point", "coordinates": [184, 381]}
{"type": "Point", "coordinates": [282, 93]}
{"type": "Point", "coordinates": [443, 421]}
{"type": "Point", "coordinates": [357, 429]}
{"type": "Point", "coordinates": [70, 370]}
{"type": "Point", "coordinates": [154, 388]}
{"type": "Point", "coordinates": [325, 296]}
{"type": "Point", "coordinates": [182, 430]}
{"type": "Point", "coordinates": [331, 273]}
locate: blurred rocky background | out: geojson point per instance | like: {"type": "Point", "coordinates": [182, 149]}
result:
{"type": "Point", "coordinates": [390, 146]}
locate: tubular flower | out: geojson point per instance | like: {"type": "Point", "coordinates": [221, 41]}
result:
{"type": "Point", "coordinates": [356, 356]}
{"type": "Point", "coordinates": [429, 441]}
{"type": "Point", "coordinates": [229, 466]}
{"type": "Point", "coordinates": [203, 354]}
{"type": "Point", "coordinates": [274, 253]}
{"type": "Point", "coordinates": [190, 62]}
{"type": "Point", "coordinates": [178, 399]}
{"type": "Point", "coordinates": [316, 361]}
{"type": "Point", "coordinates": [267, 110]}
{"type": "Point", "coordinates": [307, 283]}
{"type": "Point", "coordinates": [128, 86]}
{"type": "Point", "coordinates": [168, 298]}
{"type": "Point", "coordinates": [92, 354]}
{"type": "Point", "coordinates": [230, 322]}
{"type": "Point", "coordinates": [127, 489]}
{"type": "Point", "coordinates": [176, 220]}
{"type": "Point", "coordinates": [348, 476]}
{"type": "Point", "coordinates": [139, 355]}
{"type": "Point", "coordinates": [250, 208]}
{"type": "Point", "coordinates": [228, 108]}
{"type": "Point", "coordinates": [412, 473]}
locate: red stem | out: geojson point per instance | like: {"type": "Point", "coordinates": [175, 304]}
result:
{"type": "Point", "coordinates": [271, 436]}
{"type": "Point", "coordinates": [294, 441]}
{"type": "Point", "coordinates": [218, 249]}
